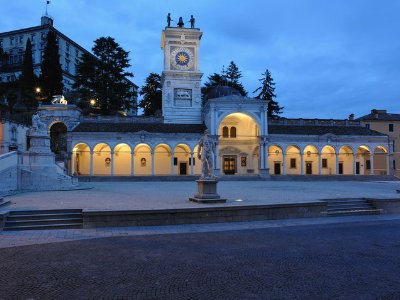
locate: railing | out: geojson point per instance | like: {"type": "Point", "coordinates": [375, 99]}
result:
{"type": "Point", "coordinates": [8, 160]}
{"type": "Point", "coordinates": [120, 119]}
{"type": "Point", "coordinates": [313, 122]}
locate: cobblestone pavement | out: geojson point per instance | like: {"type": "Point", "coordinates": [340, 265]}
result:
{"type": "Point", "coordinates": [163, 195]}
{"type": "Point", "coordinates": [351, 260]}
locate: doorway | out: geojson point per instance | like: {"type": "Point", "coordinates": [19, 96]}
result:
{"type": "Point", "coordinates": [229, 165]}
{"type": "Point", "coordinates": [308, 168]}
{"type": "Point", "coordinates": [340, 168]}
{"type": "Point", "coordinates": [183, 168]}
{"type": "Point", "coordinates": [357, 168]}
{"type": "Point", "coordinates": [277, 168]}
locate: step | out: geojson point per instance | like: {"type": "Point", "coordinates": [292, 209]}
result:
{"type": "Point", "coordinates": [43, 222]}
{"type": "Point", "coordinates": [38, 212]}
{"type": "Point", "coordinates": [44, 227]}
{"type": "Point", "coordinates": [350, 208]}
{"type": "Point", "coordinates": [348, 203]}
{"type": "Point", "coordinates": [353, 212]}
{"type": "Point", "coordinates": [44, 216]}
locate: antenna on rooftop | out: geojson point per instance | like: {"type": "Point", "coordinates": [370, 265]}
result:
{"type": "Point", "coordinates": [47, 4]}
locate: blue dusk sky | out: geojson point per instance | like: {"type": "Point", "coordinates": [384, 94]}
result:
{"type": "Point", "coordinates": [328, 58]}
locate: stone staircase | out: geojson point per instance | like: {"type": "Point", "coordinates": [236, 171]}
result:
{"type": "Point", "coordinates": [43, 219]}
{"type": "Point", "coordinates": [350, 207]}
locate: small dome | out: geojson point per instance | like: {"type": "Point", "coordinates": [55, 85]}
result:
{"type": "Point", "coordinates": [222, 91]}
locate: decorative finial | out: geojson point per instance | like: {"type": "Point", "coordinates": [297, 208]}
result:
{"type": "Point", "coordinates": [181, 23]}
{"type": "Point", "coordinates": [47, 4]}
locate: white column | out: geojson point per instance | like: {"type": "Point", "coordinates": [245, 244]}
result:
{"type": "Point", "coordinates": [112, 163]}
{"type": "Point", "coordinates": [337, 163]}
{"type": "Point", "coordinates": [216, 162]}
{"type": "Point", "coordinates": [266, 162]}
{"type": "Point", "coordinates": [152, 163]}
{"type": "Point", "coordinates": [191, 165]}
{"type": "Point", "coordinates": [387, 164]}
{"type": "Point", "coordinates": [301, 163]}
{"type": "Point", "coordinates": [91, 163]}
{"type": "Point", "coordinates": [283, 163]}
{"type": "Point", "coordinates": [355, 163]}
{"type": "Point", "coordinates": [172, 164]}
{"type": "Point", "coordinates": [319, 163]}
{"type": "Point", "coordinates": [371, 158]}
{"type": "Point", "coordinates": [262, 155]}
{"type": "Point", "coordinates": [133, 163]}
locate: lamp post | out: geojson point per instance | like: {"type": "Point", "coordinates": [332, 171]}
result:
{"type": "Point", "coordinates": [38, 92]}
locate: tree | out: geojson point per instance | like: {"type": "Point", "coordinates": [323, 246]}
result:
{"type": "Point", "coordinates": [51, 78]}
{"type": "Point", "coordinates": [103, 77]}
{"type": "Point", "coordinates": [28, 78]}
{"type": "Point", "coordinates": [229, 77]}
{"type": "Point", "coordinates": [152, 95]}
{"type": "Point", "coordinates": [267, 92]}
{"type": "Point", "coordinates": [233, 75]}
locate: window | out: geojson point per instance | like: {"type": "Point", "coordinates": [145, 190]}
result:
{"type": "Point", "coordinates": [143, 162]}
{"type": "Point", "coordinates": [67, 47]}
{"type": "Point", "coordinates": [175, 161]}
{"type": "Point", "coordinates": [391, 127]}
{"type": "Point", "coordinates": [368, 164]}
{"type": "Point", "coordinates": [190, 161]}
{"type": "Point", "coordinates": [225, 132]}
{"type": "Point", "coordinates": [33, 37]}
{"type": "Point", "coordinates": [1, 43]}
{"type": "Point", "coordinates": [233, 132]}
{"type": "Point", "coordinates": [14, 134]}
{"type": "Point", "coordinates": [43, 35]}
{"type": "Point", "coordinates": [293, 163]}
{"type": "Point", "coordinates": [21, 39]}
{"type": "Point", "coordinates": [12, 41]}
{"type": "Point", "coordinates": [367, 126]}
{"type": "Point", "coordinates": [394, 164]}
{"type": "Point", "coordinates": [325, 163]}
{"type": "Point", "coordinates": [393, 147]}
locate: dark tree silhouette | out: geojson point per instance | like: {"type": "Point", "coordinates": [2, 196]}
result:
{"type": "Point", "coordinates": [267, 92]}
{"type": "Point", "coordinates": [152, 95]}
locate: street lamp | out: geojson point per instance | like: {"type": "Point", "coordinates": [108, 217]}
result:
{"type": "Point", "coordinates": [92, 102]}
{"type": "Point", "coordinates": [38, 90]}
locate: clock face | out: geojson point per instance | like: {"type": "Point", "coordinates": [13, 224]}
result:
{"type": "Point", "coordinates": [182, 59]}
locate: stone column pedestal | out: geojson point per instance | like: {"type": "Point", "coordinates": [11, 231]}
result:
{"type": "Point", "coordinates": [264, 173]}
{"type": "Point", "coordinates": [207, 192]}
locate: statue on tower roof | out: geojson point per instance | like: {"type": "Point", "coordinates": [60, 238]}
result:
{"type": "Point", "coordinates": [192, 20]}
{"type": "Point", "coordinates": [169, 19]}
{"type": "Point", "coordinates": [181, 23]}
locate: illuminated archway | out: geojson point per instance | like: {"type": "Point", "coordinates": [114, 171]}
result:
{"type": "Point", "coordinates": [310, 160]}
{"type": "Point", "coordinates": [143, 160]}
{"type": "Point", "coordinates": [381, 161]}
{"type": "Point", "coordinates": [275, 160]}
{"type": "Point", "coordinates": [346, 161]}
{"type": "Point", "coordinates": [363, 162]}
{"type": "Point", "coordinates": [81, 160]}
{"type": "Point", "coordinates": [162, 160]}
{"type": "Point", "coordinates": [238, 139]}
{"type": "Point", "coordinates": [102, 160]}
{"type": "Point", "coordinates": [122, 160]}
{"type": "Point", "coordinates": [182, 160]}
{"type": "Point", "coordinates": [293, 160]}
{"type": "Point", "coordinates": [328, 160]}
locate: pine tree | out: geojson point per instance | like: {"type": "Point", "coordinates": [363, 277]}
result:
{"type": "Point", "coordinates": [152, 95]}
{"type": "Point", "coordinates": [267, 92]}
{"type": "Point", "coordinates": [214, 80]}
{"type": "Point", "coordinates": [104, 77]}
{"type": "Point", "coordinates": [233, 75]}
{"type": "Point", "coordinates": [28, 78]}
{"type": "Point", "coordinates": [51, 78]}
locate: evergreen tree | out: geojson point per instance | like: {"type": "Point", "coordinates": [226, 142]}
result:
{"type": "Point", "coordinates": [267, 92]}
{"type": "Point", "coordinates": [233, 75]}
{"type": "Point", "coordinates": [28, 78]}
{"type": "Point", "coordinates": [214, 80]}
{"type": "Point", "coordinates": [51, 78]}
{"type": "Point", "coordinates": [152, 95]}
{"type": "Point", "coordinates": [104, 77]}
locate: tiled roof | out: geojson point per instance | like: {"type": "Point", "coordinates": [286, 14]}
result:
{"type": "Point", "coordinates": [136, 127]}
{"type": "Point", "coordinates": [321, 130]}
{"type": "Point", "coordinates": [380, 117]}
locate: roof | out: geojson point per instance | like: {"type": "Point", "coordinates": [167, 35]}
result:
{"type": "Point", "coordinates": [380, 116]}
{"type": "Point", "coordinates": [321, 130]}
{"type": "Point", "coordinates": [221, 91]}
{"type": "Point", "coordinates": [137, 127]}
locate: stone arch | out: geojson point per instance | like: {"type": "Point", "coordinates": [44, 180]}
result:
{"type": "Point", "coordinates": [275, 160]}
{"type": "Point", "coordinates": [58, 140]}
{"type": "Point", "coordinates": [235, 154]}
{"type": "Point", "coordinates": [81, 159]}
{"type": "Point", "coordinates": [380, 161]}
{"type": "Point", "coordinates": [363, 160]}
{"type": "Point", "coordinates": [328, 160]}
{"type": "Point", "coordinates": [143, 159]}
{"type": "Point", "coordinates": [122, 160]}
{"type": "Point", "coordinates": [293, 160]}
{"type": "Point", "coordinates": [251, 115]}
{"type": "Point", "coordinates": [196, 161]}
{"type": "Point", "coordinates": [182, 159]}
{"type": "Point", "coordinates": [346, 160]}
{"type": "Point", "coordinates": [102, 160]}
{"type": "Point", "coordinates": [162, 159]}
{"type": "Point", "coordinates": [310, 159]}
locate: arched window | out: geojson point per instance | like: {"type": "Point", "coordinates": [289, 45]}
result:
{"type": "Point", "coordinates": [225, 132]}
{"type": "Point", "coordinates": [233, 132]}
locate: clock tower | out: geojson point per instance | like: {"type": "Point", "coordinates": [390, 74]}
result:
{"type": "Point", "coordinates": [181, 78]}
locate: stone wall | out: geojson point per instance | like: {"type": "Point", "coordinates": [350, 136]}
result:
{"type": "Point", "coordinates": [8, 172]}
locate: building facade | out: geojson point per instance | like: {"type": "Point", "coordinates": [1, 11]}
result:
{"type": "Point", "coordinates": [389, 124]}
